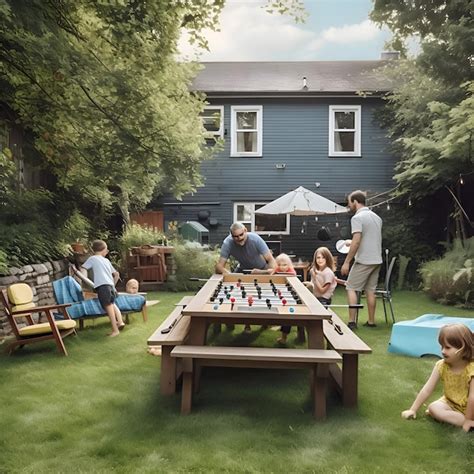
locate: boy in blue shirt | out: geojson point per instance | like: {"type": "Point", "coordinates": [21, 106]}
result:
{"type": "Point", "coordinates": [105, 279]}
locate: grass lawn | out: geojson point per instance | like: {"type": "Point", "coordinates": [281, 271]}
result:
{"type": "Point", "coordinates": [99, 410]}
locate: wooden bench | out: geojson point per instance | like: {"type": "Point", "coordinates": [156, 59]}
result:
{"type": "Point", "coordinates": [317, 360]}
{"type": "Point", "coordinates": [170, 333]}
{"type": "Point", "coordinates": [340, 338]}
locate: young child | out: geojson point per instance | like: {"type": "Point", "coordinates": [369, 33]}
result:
{"type": "Point", "coordinates": [132, 286]}
{"type": "Point", "coordinates": [456, 371]}
{"type": "Point", "coordinates": [105, 279]}
{"type": "Point", "coordinates": [322, 284]}
{"type": "Point", "coordinates": [323, 281]}
{"type": "Point", "coordinates": [284, 264]}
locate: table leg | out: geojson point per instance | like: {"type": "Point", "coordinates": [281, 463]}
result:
{"type": "Point", "coordinates": [187, 393]}
{"type": "Point", "coordinates": [350, 363]}
{"type": "Point", "coordinates": [168, 371]}
{"type": "Point", "coordinates": [319, 385]}
{"type": "Point", "coordinates": [315, 334]}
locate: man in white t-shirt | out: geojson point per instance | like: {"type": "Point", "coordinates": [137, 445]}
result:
{"type": "Point", "coordinates": [366, 249]}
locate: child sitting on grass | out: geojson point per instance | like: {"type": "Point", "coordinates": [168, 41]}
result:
{"type": "Point", "coordinates": [105, 279]}
{"type": "Point", "coordinates": [456, 371]}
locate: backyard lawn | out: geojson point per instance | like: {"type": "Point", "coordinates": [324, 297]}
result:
{"type": "Point", "coordinates": [100, 410]}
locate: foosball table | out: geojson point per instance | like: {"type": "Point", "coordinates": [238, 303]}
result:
{"type": "Point", "coordinates": [256, 299]}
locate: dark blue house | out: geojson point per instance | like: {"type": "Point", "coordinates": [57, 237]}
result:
{"type": "Point", "coordinates": [284, 125]}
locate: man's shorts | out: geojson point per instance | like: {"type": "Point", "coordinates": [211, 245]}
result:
{"type": "Point", "coordinates": [363, 277]}
{"type": "Point", "coordinates": [106, 295]}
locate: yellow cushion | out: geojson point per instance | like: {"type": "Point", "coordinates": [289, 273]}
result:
{"type": "Point", "coordinates": [45, 328]}
{"type": "Point", "coordinates": [20, 307]}
{"type": "Point", "coordinates": [19, 293]}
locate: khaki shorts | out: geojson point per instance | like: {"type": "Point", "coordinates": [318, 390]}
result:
{"type": "Point", "coordinates": [363, 277]}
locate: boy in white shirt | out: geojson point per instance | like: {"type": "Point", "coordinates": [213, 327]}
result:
{"type": "Point", "coordinates": [105, 279]}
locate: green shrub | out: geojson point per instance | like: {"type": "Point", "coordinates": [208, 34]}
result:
{"type": "Point", "coordinates": [192, 260]}
{"type": "Point", "coordinates": [3, 263]}
{"type": "Point", "coordinates": [136, 235]}
{"type": "Point", "coordinates": [449, 280]}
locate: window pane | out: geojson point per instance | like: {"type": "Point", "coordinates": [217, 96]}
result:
{"type": "Point", "coordinates": [268, 223]}
{"type": "Point", "coordinates": [211, 120]}
{"type": "Point", "coordinates": [344, 120]}
{"type": "Point", "coordinates": [246, 120]}
{"type": "Point", "coordinates": [246, 142]}
{"type": "Point", "coordinates": [344, 141]}
{"type": "Point", "coordinates": [244, 213]}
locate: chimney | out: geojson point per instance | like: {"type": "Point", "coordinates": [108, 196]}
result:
{"type": "Point", "coordinates": [389, 55]}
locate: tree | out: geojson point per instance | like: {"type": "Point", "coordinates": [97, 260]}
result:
{"type": "Point", "coordinates": [108, 103]}
{"type": "Point", "coordinates": [430, 114]}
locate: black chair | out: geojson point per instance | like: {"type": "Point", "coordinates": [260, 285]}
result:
{"type": "Point", "coordinates": [384, 292]}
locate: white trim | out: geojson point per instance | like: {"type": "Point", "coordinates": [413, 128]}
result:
{"type": "Point", "coordinates": [233, 123]}
{"type": "Point", "coordinates": [252, 219]}
{"type": "Point", "coordinates": [219, 133]}
{"type": "Point", "coordinates": [357, 129]}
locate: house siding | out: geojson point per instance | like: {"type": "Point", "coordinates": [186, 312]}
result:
{"type": "Point", "coordinates": [295, 132]}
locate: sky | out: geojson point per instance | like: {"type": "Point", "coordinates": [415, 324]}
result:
{"type": "Point", "coordinates": [334, 30]}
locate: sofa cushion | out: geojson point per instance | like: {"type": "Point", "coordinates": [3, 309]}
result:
{"type": "Point", "coordinates": [45, 328]}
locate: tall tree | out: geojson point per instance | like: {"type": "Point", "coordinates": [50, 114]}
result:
{"type": "Point", "coordinates": [430, 113]}
{"type": "Point", "coordinates": [99, 86]}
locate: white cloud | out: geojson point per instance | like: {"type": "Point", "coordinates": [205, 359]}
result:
{"type": "Point", "coordinates": [248, 33]}
{"type": "Point", "coordinates": [348, 34]}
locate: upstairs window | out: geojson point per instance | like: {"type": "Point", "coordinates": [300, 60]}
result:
{"type": "Point", "coordinates": [246, 126]}
{"type": "Point", "coordinates": [344, 130]}
{"type": "Point", "coordinates": [244, 212]}
{"type": "Point", "coordinates": [213, 121]}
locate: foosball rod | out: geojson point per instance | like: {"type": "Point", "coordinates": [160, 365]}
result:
{"type": "Point", "coordinates": [350, 306]}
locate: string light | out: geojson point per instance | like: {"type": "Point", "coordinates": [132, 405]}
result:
{"type": "Point", "coordinates": [409, 202]}
{"type": "Point", "coordinates": [461, 181]}
{"type": "Point", "coordinates": [388, 206]}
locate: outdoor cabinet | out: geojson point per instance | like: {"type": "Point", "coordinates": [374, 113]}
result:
{"type": "Point", "coordinates": [195, 231]}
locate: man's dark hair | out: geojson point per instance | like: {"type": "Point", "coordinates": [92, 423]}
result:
{"type": "Point", "coordinates": [358, 196]}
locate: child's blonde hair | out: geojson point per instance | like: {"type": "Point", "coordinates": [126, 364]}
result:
{"type": "Point", "coordinates": [459, 336]}
{"type": "Point", "coordinates": [330, 263]}
{"type": "Point", "coordinates": [284, 257]}
{"type": "Point", "coordinates": [131, 282]}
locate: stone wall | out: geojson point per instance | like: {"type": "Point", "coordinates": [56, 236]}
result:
{"type": "Point", "coordinates": [40, 277]}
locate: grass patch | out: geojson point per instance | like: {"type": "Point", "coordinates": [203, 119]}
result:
{"type": "Point", "coordinates": [99, 410]}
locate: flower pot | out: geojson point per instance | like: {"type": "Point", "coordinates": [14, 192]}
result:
{"type": "Point", "coordinates": [78, 247]}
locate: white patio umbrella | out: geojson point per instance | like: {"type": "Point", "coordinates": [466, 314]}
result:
{"type": "Point", "coordinates": [301, 202]}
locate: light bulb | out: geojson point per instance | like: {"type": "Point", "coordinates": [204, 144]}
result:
{"type": "Point", "coordinates": [388, 206]}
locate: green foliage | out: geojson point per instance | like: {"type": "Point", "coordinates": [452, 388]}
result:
{"type": "Point", "coordinates": [76, 228]}
{"type": "Point", "coordinates": [430, 113]}
{"type": "Point", "coordinates": [402, 271]}
{"type": "Point", "coordinates": [449, 280]}
{"type": "Point", "coordinates": [135, 235]}
{"type": "Point", "coordinates": [192, 260]}
{"type": "Point", "coordinates": [3, 263]}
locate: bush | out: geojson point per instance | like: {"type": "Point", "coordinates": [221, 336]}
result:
{"type": "Point", "coordinates": [449, 280]}
{"type": "Point", "coordinates": [192, 260]}
{"type": "Point", "coordinates": [136, 235]}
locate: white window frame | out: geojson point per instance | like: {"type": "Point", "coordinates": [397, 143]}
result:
{"type": "Point", "coordinates": [219, 133]}
{"type": "Point", "coordinates": [252, 220]}
{"type": "Point", "coordinates": [357, 130]}
{"type": "Point", "coordinates": [233, 126]}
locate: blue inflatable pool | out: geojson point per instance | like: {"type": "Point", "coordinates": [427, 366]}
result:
{"type": "Point", "coordinates": [419, 337]}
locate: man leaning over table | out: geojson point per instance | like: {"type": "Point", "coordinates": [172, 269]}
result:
{"type": "Point", "coordinates": [249, 249]}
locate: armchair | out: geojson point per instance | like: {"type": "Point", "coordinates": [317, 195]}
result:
{"type": "Point", "coordinates": [18, 302]}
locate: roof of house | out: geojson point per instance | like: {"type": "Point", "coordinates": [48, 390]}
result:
{"type": "Point", "coordinates": [286, 78]}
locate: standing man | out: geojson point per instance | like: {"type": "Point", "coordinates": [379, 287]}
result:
{"type": "Point", "coordinates": [366, 247]}
{"type": "Point", "coordinates": [248, 248]}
